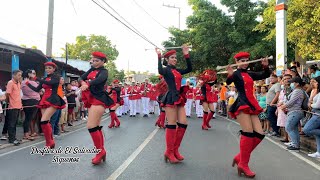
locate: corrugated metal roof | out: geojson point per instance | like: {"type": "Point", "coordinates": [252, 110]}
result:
{"type": "Point", "coordinates": [79, 64]}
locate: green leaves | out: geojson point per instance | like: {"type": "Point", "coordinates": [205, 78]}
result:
{"type": "Point", "coordinates": [84, 46]}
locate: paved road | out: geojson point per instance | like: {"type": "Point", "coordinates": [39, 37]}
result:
{"type": "Point", "coordinates": [208, 155]}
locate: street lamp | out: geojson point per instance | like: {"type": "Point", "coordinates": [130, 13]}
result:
{"type": "Point", "coordinates": [169, 6]}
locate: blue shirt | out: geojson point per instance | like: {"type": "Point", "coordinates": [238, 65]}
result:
{"type": "Point", "coordinates": [316, 74]}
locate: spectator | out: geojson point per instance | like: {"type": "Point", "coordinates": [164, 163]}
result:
{"type": "Point", "coordinates": [263, 104]}
{"type": "Point", "coordinates": [223, 93]}
{"type": "Point", "coordinates": [258, 91]}
{"type": "Point", "coordinates": [298, 68]}
{"type": "Point", "coordinates": [71, 97]}
{"type": "Point", "coordinates": [29, 98]}
{"type": "Point", "coordinates": [293, 71]}
{"type": "Point", "coordinates": [312, 127]}
{"type": "Point", "coordinates": [313, 71]}
{"type": "Point", "coordinates": [54, 120]}
{"type": "Point", "coordinates": [13, 93]}
{"type": "Point", "coordinates": [64, 115]}
{"type": "Point", "coordinates": [284, 94]}
{"type": "Point", "coordinates": [294, 112]}
{"type": "Point", "coordinates": [272, 100]}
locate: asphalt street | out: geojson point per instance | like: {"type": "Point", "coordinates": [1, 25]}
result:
{"type": "Point", "coordinates": [135, 151]}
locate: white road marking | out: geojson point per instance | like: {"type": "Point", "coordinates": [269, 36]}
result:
{"type": "Point", "coordinates": [283, 147]}
{"type": "Point", "coordinates": [10, 152]}
{"type": "Point", "coordinates": [128, 161]}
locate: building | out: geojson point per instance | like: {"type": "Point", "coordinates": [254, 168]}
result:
{"type": "Point", "coordinates": [14, 57]}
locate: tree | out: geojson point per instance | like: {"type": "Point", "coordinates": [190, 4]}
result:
{"type": "Point", "coordinates": [303, 17]}
{"type": "Point", "coordinates": [84, 46]}
{"type": "Point", "coordinates": [154, 79]}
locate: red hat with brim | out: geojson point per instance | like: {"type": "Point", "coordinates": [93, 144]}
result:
{"type": "Point", "coordinates": [50, 64]}
{"type": "Point", "coordinates": [169, 53]}
{"type": "Point", "coordinates": [99, 55]}
{"type": "Point", "coordinates": [115, 81]}
{"type": "Point", "coordinates": [242, 55]}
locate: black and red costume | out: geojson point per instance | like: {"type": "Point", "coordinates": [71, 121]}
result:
{"type": "Point", "coordinates": [209, 78]}
{"type": "Point", "coordinates": [96, 78]}
{"type": "Point", "coordinates": [96, 95]}
{"type": "Point", "coordinates": [246, 103]}
{"type": "Point", "coordinates": [50, 98]}
{"type": "Point", "coordinates": [115, 93]}
{"type": "Point", "coordinates": [175, 96]}
{"type": "Point", "coordinates": [161, 89]}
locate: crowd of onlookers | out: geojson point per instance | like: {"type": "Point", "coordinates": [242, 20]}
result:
{"type": "Point", "coordinates": [18, 102]}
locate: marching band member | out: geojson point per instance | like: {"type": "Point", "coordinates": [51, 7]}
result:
{"type": "Point", "coordinates": [174, 102]}
{"type": "Point", "coordinates": [96, 100]}
{"type": "Point", "coordinates": [114, 91]}
{"type": "Point", "coordinates": [208, 78]}
{"type": "Point", "coordinates": [197, 97]}
{"type": "Point", "coordinates": [138, 98]}
{"type": "Point", "coordinates": [133, 92]}
{"type": "Point", "coordinates": [189, 100]}
{"type": "Point", "coordinates": [246, 109]}
{"type": "Point", "coordinates": [153, 99]}
{"type": "Point", "coordinates": [145, 88]}
{"type": "Point", "coordinates": [125, 99]}
{"type": "Point", "coordinates": [120, 108]}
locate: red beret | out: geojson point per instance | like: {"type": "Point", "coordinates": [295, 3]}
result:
{"type": "Point", "coordinates": [116, 81]}
{"type": "Point", "coordinates": [99, 55]}
{"type": "Point", "coordinates": [241, 55]}
{"type": "Point", "coordinates": [169, 53]}
{"type": "Point", "coordinates": [50, 64]}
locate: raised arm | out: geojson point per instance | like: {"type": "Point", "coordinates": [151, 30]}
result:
{"type": "Point", "coordinates": [101, 77]}
{"type": "Point", "coordinates": [189, 65]}
{"type": "Point", "coordinates": [161, 70]}
{"type": "Point", "coordinates": [260, 75]}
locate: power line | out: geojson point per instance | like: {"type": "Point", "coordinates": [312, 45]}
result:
{"type": "Point", "coordinates": [143, 37]}
{"type": "Point", "coordinates": [73, 7]}
{"type": "Point", "coordinates": [149, 15]}
{"type": "Point", "coordinates": [124, 19]}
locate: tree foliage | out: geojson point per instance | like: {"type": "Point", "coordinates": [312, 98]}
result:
{"type": "Point", "coordinates": [303, 18]}
{"type": "Point", "coordinates": [216, 36]}
{"type": "Point", "coordinates": [113, 73]}
{"type": "Point", "coordinates": [84, 46]}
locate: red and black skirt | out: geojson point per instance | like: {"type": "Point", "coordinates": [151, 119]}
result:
{"type": "Point", "coordinates": [51, 100]}
{"type": "Point", "coordinates": [88, 100]}
{"type": "Point", "coordinates": [245, 105]}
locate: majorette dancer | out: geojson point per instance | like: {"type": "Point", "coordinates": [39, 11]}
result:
{"type": "Point", "coordinates": [161, 88]}
{"type": "Point", "coordinates": [208, 78]}
{"type": "Point", "coordinates": [96, 100]}
{"type": "Point", "coordinates": [246, 110]}
{"type": "Point", "coordinates": [114, 92]}
{"type": "Point", "coordinates": [50, 100]}
{"type": "Point", "coordinates": [174, 102]}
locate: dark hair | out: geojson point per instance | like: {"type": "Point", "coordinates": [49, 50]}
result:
{"type": "Point", "coordinates": [273, 75]}
{"type": "Point", "coordinates": [296, 63]}
{"type": "Point", "coordinates": [165, 62]}
{"type": "Point", "coordinates": [15, 72]}
{"type": "Point", "coordinates": [27, 72]}
{"type": "Point", "coordinates": [318, 80]}
{"type": "Point", "coordinates": [288, 75]}
{"type": "Point", "coordinates": [313, 67]}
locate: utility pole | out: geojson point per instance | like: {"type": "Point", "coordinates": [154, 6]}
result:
{"type": "Point", "coordinates": [66, 53]}
{"type": "Point", "coordinates": [50, 28]}
{"type": "Point", "coordinates": [169, 6]}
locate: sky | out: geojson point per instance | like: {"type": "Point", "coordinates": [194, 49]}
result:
{"type": "Point", "coordinates": [26, 23]}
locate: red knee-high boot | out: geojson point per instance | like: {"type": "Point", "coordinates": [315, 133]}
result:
{"type": "Point", "coordinates": [246, 144]}
{"type": "Point", "coordinates": [257, 140]}
{"type": "Point", "coordinates": [162, 119]}
{"type": "Point", "coordinates": [204, 121]}
{"type": "Point", "coordinates": [98, 141]}
{"type": "Point", "coordinates": [179, 136]}
{"type": "Point", "coordinates": [47, 131]}
{"type": "Point", "coordinates": [170, 140]}
{"type": "Point", "coordinates": [117, 122]}
{"type": "Point", "coordinates": [158, 121]}
{"type": "Point", "coordinates": [113, 116]}
{"type": "Point", "coordinates": [210, 115]}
